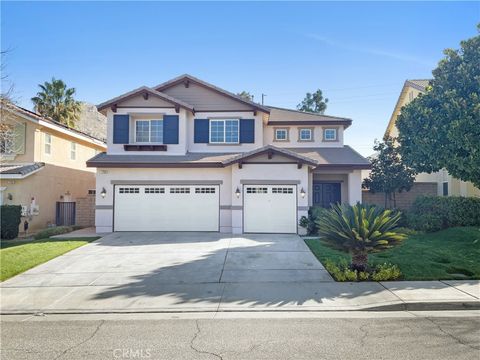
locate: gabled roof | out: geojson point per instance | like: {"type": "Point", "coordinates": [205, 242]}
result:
{"type": "Point", "coordinates": [418, 84]}
{"type": "Point", "coordinates": [143, 90]}
{"type": "Point", "coordinates": [272, 150]}
{"type": "Point", "coordinates": [189, 78]}
{"type": "Point", "coordinates": [42, 120]}
{"type": "Point", "coordinates": [19, 171]}
{"type": "Point", "coordinates": [283, 116]}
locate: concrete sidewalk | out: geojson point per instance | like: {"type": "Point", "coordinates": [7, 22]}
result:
{"type": "Point", "coordinates": [213, 297]}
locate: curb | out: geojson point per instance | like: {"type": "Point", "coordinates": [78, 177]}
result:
{"type": "Point", "coordinates": [401, 306]}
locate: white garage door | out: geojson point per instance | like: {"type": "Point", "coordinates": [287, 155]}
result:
{"type": "Point", "coordinates": [166, 208]}
{"type": "Point", "coordinates": [270, 208]}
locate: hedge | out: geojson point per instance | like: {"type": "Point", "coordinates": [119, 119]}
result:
{"type": "Point", "coordinates": [57, 230]}
{"type": "Point", "coordinates": [434, 213]}
{"type": "Point", "coordinates": [11, 218]}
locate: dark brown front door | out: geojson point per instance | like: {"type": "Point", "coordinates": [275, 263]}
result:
{"type": "Point", "coordinates": [325, 194]}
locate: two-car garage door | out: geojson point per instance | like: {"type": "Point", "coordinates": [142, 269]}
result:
{"type": "Point", "coordinates": [266, 208]}
{"type": "Point", "coordinates": [166, 208]}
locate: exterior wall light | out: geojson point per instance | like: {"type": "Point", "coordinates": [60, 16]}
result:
{"type": "Point", "coordinates": [103, 193]}
{"type": "Point", "coordinates": [237, 192]}
{"type": "Point", "coordinates": [302, 193]}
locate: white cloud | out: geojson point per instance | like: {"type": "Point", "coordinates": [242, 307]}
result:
{"type": "Point", "coordinates": [372, 51]}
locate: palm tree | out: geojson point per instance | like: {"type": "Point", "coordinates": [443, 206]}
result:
{"type": "Point", "coordinates": [56, 101]}
{"type": "Point", "coordinates": [360, 230]}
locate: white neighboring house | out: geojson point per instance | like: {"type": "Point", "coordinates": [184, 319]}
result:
{"type": "Point", "coordinates": [188, 156]}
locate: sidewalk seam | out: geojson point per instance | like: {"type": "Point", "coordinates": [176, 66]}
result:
{"type": "Point", "coordinates": [473, 296]}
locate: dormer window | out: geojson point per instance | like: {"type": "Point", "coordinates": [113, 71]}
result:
{"type": "Point", "coordinates": [281, 134]}
{"type": "Point", "coordinates": [330, 134]}
{"type": "Point", "coordinates": [149, 131]}
{"type": "Point", "coordinates": [224, 131]}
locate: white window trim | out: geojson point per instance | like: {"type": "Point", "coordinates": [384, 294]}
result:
{"type": "Point", "coordinates": [45, 143]}
{"type": "Point", "coordinates": [310, 131]}
{"type": "Point", "coordinates": [281, 129]}
{"type": "Point", "coordinates": [149, 131]}
{"type": "Point", "coordinates": [73, 150]}
{"type": "Point", "coordinates": [325, 134]}
{"type": "Point", "coordinates": [224, 131]}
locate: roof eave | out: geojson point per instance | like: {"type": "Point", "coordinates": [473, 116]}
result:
{"type": "Point", "coordinates": [218, 90]}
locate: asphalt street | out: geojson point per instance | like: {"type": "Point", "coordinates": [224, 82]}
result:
{"type": "Point", "coordinates": [385, 336]}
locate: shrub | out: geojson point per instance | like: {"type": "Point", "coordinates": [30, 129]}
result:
{"type": "Point", "coordinates": [434, 213]}
{"type": "Point", "coordinates": [57, 230]}
{"type": "Point", "coordinates": [343, 272]}
{"type": "Point", "coordinates": [359, 230]}
{"type": "Point", "coordinates": [385, 272]}
{"type": "Point", "coordinates": [310, 222]}
{"type": "Point", "coordinates": [11, 218]}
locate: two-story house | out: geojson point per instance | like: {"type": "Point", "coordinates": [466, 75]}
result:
{"type": "Point", "coordinates": [42, 163]}
{"type": "Point", "coordinates": [186, 155]}
{"type": "Point", "coordinates": [447, 185]}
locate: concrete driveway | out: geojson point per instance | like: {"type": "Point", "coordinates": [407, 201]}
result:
{"type": "Point", "coordinates": [169, 270]}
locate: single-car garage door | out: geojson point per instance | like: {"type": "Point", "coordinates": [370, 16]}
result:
{"type": "Point", "coordinates": [166, 208]}
{"type": "Point", "coordinates": [270, 208]}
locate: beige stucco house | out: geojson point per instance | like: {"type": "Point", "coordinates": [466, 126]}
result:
{"type": "Point", "coordinates": [447, 185]}
{"type": "Point", "coordinates": [42, 163]}
{"type": "Point", "coordinates": [186, 155]}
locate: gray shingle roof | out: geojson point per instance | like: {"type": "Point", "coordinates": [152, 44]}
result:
{"type": "Point", "coordinates": [20, 169]}
{"type": "Point", "coordinates": [322, 157]}
{"type": "Point", "coordinates": [337, 156]}
{"type": "Point", "coordinates": [419, 84]}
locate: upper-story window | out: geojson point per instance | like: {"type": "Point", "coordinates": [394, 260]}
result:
{"type": "Point", "coordinates": [73, 151]}
{"type": "Point", "coordinates": [7, 139]}
{"type": "Point", "coordinates": [224, 131]}
{"type": "Point", "coordinates": [330, 134]}
{"type": "Point", "coordinates": [149, 131]}
{"type": "Point", "coordinates": [305, 134]}
{"type": "Point", "coordinates": [48, 144]}
{"type": "Point", "coordinates": [281, 134]}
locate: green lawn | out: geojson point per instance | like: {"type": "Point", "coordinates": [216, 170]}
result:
{"type": "Point", "coordinates": [17, 256]}
{"type": "Point", "coordinates": [448, 254]}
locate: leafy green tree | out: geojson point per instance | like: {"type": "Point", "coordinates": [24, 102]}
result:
{"type": "Point", "coordinates": [314, 103]}
{"type": "Point", "coordinates": [246, 95]}
{"type": "Point", "coordinates": [441, 128]}
{"type": "Point", "coordinates": [389, 173]}
{"type": "Point", "coordinates": [56, 101]}
{"type": "Point", "coordinates": [359, 230]}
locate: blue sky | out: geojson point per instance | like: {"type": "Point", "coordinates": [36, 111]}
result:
{"type": "Point", "coordinates": [359, 54]}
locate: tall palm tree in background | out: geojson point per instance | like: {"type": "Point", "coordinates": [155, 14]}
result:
{"type": "Point", "coordinates": [56, 101]}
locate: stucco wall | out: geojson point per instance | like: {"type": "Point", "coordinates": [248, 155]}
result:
{"type": "Point", "coordinates": [46, 187]}
{"type": "Point", "coordinates": [232, 177]}
{"type": "Point", "coordinates": [269, 133]}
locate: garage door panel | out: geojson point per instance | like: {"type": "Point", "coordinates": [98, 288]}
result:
{"type": "Point", "coordinates": [167, 208]}
{"type": "Point", "coordinates": [270, 209]}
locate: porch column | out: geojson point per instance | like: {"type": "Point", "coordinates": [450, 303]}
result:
{"type": "Point", "coordinates": [355, 187]}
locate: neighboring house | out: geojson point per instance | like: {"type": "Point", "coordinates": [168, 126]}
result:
{"type": "Point", "coordinates": [42, 162]}
{"type": "Point", "coordinates": [188, 156]}
{"type": "Point", "coordinates": [446, 184]}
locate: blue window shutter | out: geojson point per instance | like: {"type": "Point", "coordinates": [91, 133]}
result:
{"type": "Point", "coordinates": [120, 129]}
{"type": "Point", "coordinates": [201, 131]}
{"type": "Point", "coordinates": [247, 131]}
{"type": "Point", "coordinates": [170, 129]}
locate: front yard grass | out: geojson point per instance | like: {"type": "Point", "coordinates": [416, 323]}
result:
{"type": "Point", "coordinates": [444, 255]}
{"type": "Point", "coordinates": [17, 256]}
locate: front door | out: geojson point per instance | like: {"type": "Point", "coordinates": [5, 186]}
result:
{"type": "Point", "coordinates": [325, 194]}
